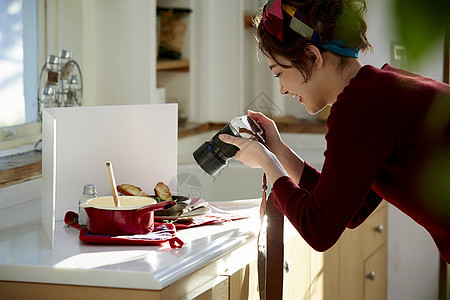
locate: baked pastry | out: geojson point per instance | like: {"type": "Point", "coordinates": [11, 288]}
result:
{"type": "Point", "coordinates": [131, 190]}
{"type": "Point", "coordinates": [162, 191]}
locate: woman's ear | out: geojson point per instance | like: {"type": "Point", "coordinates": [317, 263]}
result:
{"type": "Point", "coordinates": [316, 56]}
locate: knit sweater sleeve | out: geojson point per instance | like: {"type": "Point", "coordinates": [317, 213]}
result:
{"type": "Point", "coordinates": [323, 204]}
{"type": "Point", "coordinates": [309, 180]}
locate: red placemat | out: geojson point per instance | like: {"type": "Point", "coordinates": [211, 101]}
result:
{"type": "Point", "coordinates": [161, 234]}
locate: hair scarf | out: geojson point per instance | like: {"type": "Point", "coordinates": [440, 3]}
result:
{"type": "Point", "coordinates": [273, 22]}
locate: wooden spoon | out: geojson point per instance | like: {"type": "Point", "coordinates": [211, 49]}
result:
{"type": "Point", "coordinates": [112, 182]}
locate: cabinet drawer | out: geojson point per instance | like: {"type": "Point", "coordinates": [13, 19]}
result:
{"type": "Point", "coordinates": [373, 231]}
{"type": "Point", "coordinates": [375, 281]}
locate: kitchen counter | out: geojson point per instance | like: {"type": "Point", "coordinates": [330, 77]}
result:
{"type": "Point", "coordinates": [25, 255]}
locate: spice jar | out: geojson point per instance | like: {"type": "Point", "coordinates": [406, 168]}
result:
{"type": "Point", "coordinates": [66, 63]}
{"type": "Point", "coordinates": [74, 90]}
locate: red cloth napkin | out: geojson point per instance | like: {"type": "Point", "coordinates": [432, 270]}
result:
{"type": "Point", "coordinates": [216, 215]}
{"type": "Point", "coordinates": [212, 218]}
{"type": "Point", "coordinates": [163, 232]}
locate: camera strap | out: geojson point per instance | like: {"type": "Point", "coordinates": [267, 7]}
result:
{"type": "Point", "coordinates": [262, 207]}
{"type": "Point", "coordinates": [270, 241]}
{"type": "Point", "coordinates": [270, 248]}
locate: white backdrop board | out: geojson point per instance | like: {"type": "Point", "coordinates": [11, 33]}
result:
{"type": "Point", "coordinates": [139, 140]}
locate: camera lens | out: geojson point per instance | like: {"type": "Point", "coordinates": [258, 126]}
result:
{"type": "Point", "coordinates": [213, 155]}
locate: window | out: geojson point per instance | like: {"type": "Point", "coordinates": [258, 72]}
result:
{"type": "Point", "coordinates": [18, 62]}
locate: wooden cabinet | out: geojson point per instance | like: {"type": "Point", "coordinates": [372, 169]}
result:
{"type": "Point", "coordinates": [356, 267]}
{"type": "Point", "coordinates": [375, 275]}
{"type": "Point", "coordinates": [241, 285]}
{"type": "Point", "coordinates": [303, 276]}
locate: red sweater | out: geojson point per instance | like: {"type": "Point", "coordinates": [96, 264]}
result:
{"type": "Point", "coordinates": [375, 150]}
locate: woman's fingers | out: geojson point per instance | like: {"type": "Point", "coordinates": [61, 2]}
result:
{"type": "Point", "coordinates": [259, 117]}
{"type": "Point", "coordinates": [229, 139]}
{"type": "Point", "coordinates": [250, 151]}
{"type": "Point", "coordinates": [262, 119]}
{"type": "Point", "coordinates": [271, 133]}
{"type": "Point", "coordinates": [241, 143]}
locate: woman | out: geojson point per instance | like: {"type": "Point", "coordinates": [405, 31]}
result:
{"type": "Point", "coordinates": [378, 140]}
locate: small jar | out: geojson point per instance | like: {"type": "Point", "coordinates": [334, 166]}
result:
{"type": "Point", "coordinates": [74, 90]}
{"type": "Point", "coordinates": [89, 192]}
{"type": "Point", "coordinates": [65, 58]}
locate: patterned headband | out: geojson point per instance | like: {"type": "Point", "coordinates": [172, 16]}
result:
{"type": "Point", "coordinates": [273, 22]}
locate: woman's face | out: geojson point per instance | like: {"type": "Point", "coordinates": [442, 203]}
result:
{"type": "Point", "coordinates": [312, 94]}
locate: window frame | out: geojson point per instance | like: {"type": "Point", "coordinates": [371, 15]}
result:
{"type": "Point", "coordinates": [14, 139]}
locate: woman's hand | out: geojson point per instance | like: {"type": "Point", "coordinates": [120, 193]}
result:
{"type": "Point", "coordinates": [254, 154]}
{"type": "Point", "coordinates": [271, 134]}
{"type": "Point", "coordinates": [251, 152]}
{"type": "Point", "coordinates": [291, 162]}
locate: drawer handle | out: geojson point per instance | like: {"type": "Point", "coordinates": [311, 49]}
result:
{"type": "Point", "coordinates": [379, 228]}
{"type": "Point", "coordinates": [371, 275]}
{"type": "Point", "coordinates": [286, 266]}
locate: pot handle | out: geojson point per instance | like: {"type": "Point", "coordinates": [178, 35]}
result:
{"type": "Point", "coordinates": [140, 212]}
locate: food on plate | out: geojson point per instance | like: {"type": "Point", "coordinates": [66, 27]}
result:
{"type": "Point", "coordinates": [162, 191]}
{"type": "Point", "coordinates": [131, 190]}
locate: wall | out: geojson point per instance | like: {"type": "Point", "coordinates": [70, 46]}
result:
{"type": "Point", "coordinates": [124, 39]}
{"type": "Point", "coordinates": [217, 59]}
{"type": "Point", "coordinates": [114, 43]}
{"type": "Point", "coordinates": [382, 31]}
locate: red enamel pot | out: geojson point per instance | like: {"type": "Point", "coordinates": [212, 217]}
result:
{"type": "Point", "coordinates": [135, 215]}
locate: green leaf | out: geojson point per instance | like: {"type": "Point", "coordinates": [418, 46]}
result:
{"type": "Point", "coordinates": [421, 23]}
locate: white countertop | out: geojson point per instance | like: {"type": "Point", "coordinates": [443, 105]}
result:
{"type": "Point", "coordinates": [25, 254]}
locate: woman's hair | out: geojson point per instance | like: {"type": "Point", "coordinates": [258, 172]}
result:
{"type": "Point", "coordinates": [332, 19]}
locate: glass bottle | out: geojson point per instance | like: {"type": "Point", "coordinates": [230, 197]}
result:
{"type": "Point", "coordinates": [89, 192]}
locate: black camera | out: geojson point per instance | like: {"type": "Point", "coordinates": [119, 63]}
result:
{"type": "Point", "coordinates": [214, 154]}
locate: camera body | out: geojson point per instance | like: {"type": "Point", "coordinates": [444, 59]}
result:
{"type": "Point", "coordinates": [214, 154]}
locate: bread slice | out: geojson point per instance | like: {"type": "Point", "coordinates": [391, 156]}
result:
{"type": "Point", "coordinates": [131, 190]}
{"type": "Point", "coordinates": [162, 191]}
